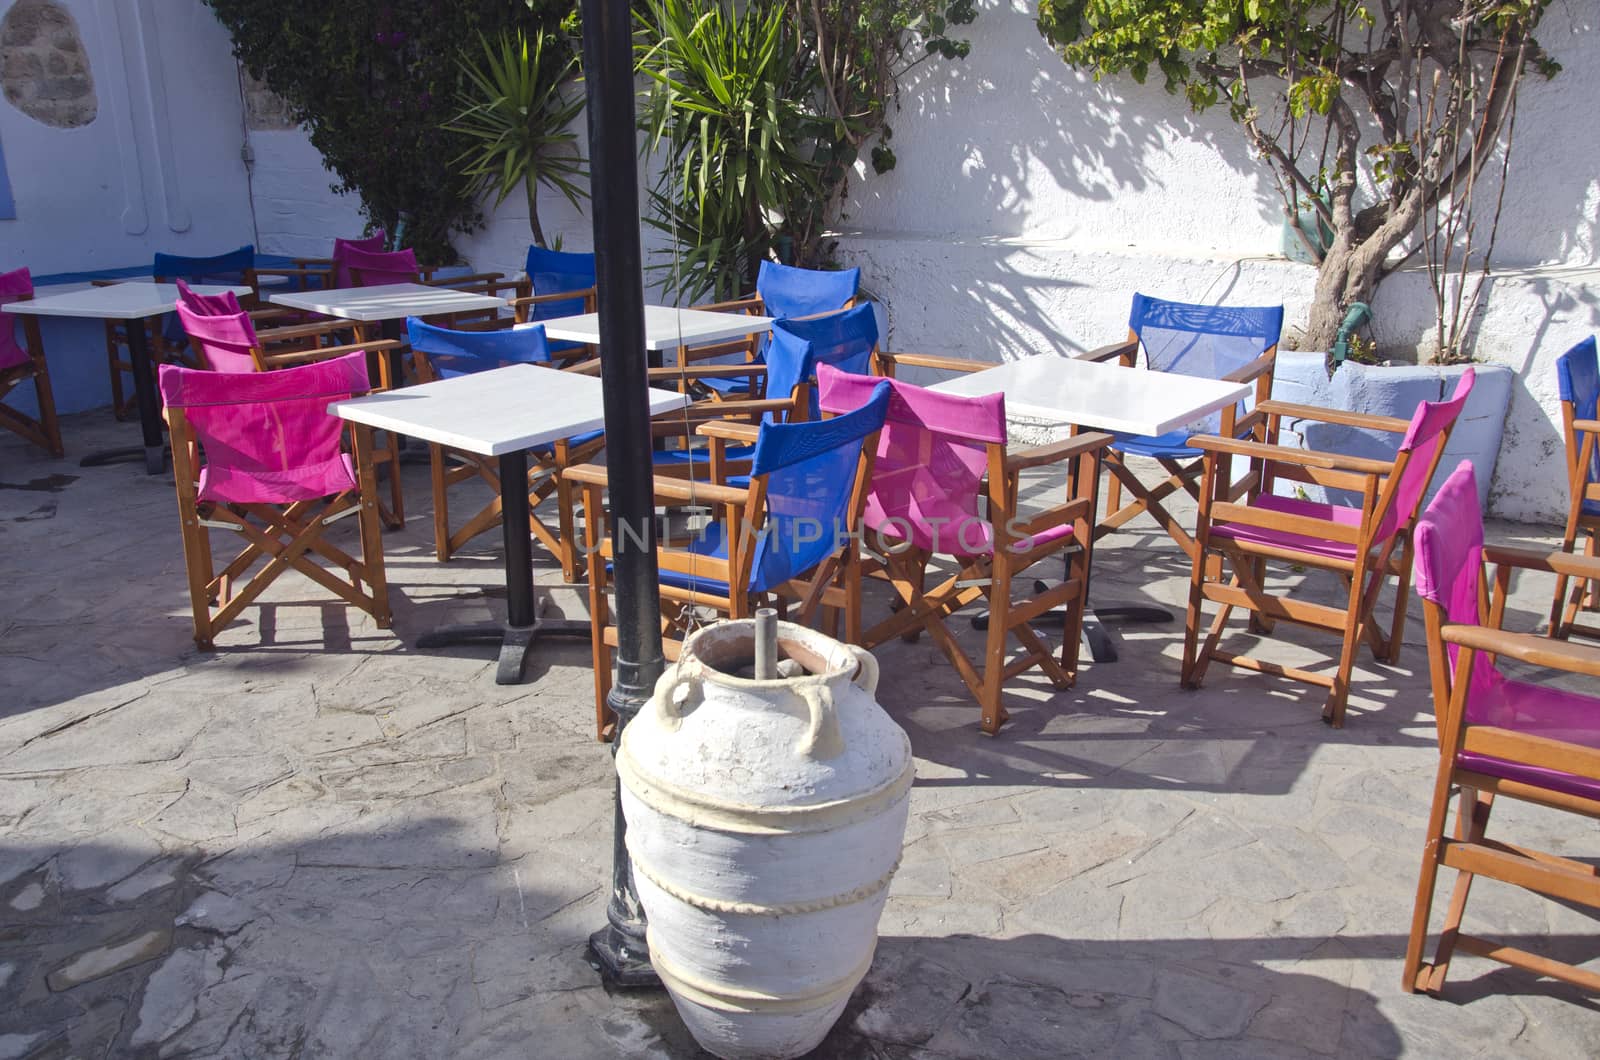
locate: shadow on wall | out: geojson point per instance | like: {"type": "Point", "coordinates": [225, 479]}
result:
{"type": "Point", "coordinates": [1018, 125]}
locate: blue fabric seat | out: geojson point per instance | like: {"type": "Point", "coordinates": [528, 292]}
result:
{"type": "Point", "coordinates": [443, 353]}
{"type": "Point", "coordinates": [554, 272]}
{"type": "Point", "coordinates": [1578, 386]}
{"type": "Point", "coordinates": [786, 292]}
{"type": "Point", "coordinates": [1207, 342]}
{"type": "Point", "coordinates": [844, 339]}
{"type": "Point", "coordinates": [810, 472]}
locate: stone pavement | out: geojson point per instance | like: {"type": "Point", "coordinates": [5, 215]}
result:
{"type": "Point", "coordinates": [317, 841]}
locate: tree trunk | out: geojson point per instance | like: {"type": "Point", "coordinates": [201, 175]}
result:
{"type": "Point", "coordinates": [532, 189]}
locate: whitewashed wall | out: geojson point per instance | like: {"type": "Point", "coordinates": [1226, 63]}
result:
{"type": "Point", "coordinates": [159, 168]}
{"type": "Point", "coordinates": [1030, 202]}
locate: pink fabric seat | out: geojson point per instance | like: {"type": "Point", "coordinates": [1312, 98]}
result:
{"type": "Point", "coordinates": [1449, 572]}
{"type": "Point", "coordinates": [267, 436]}
{"type": "Point", "coordinates": [14, 286]}
{"type": "Point", "coordinates": [367, 268]}
{"type": "Point", "coordinates": [1260, 535]}
{"type": "Point", "coordinates": [221, 332]}
{"type": "Point", "coordinates": [1499, 740]}
{"type": "Point", "coordinates": [373, 244]}
{"type": "Point", "coordinates": [943, 483]}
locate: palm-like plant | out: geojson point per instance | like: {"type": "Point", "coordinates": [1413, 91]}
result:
{"type": "Point", "coordinates": [515, 108]}
{"type": "Point", "coordinates": [727, 94]}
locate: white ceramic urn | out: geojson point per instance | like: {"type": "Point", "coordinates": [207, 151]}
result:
{"type": "Point", "coordinates": [765, 821]}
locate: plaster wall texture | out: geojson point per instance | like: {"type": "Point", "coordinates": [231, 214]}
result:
{"type": "Point", "coordinates": [158, 169]}
{"type": "Point", "coordinates": [1030, 202]}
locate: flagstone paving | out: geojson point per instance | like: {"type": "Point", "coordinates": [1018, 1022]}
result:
{"type": "Point", "coordinates": [319, 841]}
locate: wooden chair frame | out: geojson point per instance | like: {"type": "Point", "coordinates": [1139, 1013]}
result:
{"type": "Point", "coordinates": [992, 578]}
{"type": "Point", "coordinates": [546, 476]}
{"type": "Point", "coordinates": [1148, 499]}
{"type": "Point", "coordinates": [1377, 482]}
{"type": "Point", "coordinates": [45, 431]}
{"type": "Point", "coordinates": [741, 508]}
{"type": "Point", "coordinates": [1581, 437]}
{"type": "Point", "coordinates": [287, 536]}
{"type": "Point", "coordinates": [1470, 852]}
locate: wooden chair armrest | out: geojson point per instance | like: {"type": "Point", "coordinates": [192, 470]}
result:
{"type": "Point", "coordinates": [668, 489]}
{"type": "Point", "coordinates": [285, 271]}
{"type": "Point", "coordinates": [270, 313]}
{"type": "Point", "coordinates": [752, 305]}
{"type": "Point", "coordinates": [1525, 647]}
{"type": "Point", "coordinates": [1587, 426]}
{"type": "Point", "coordinates": [729, 409]}
{"type": "Point", "coordinates": [471, 277]}
{"type": "Point", "coordinates": [1284, 455]}
{"type": "Point", "coordinates": [1055, 452]}
{"type": "Point", "coordinates": [730, 430]}
{"type": "Point", "coordinates": [1112, 351]}
{"type": "Point", "coordinates": [1568, 563]}
{"type": "Point", "coordinates": [672, 373]}
{"type": "Point", "coordinates": [553, 296]}
{"type": "Point", "coordinates": [1254, 370]}
{"type": "Point", "coordinates": [589, 367]}
{"type": "Point", "coordinates": [323, 353]}
{"type": "Point", "coordinates": [1392, 424]}
{"type": "Point", "coordinates": [301, 332]}
{"type": "Point", "coordinates": [929, 360]}
{"type": "Point", "coordinates": [326, 263]}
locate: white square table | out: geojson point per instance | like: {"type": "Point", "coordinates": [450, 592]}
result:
{"type": "Point", "coordinates": [387, 306]}
{"type": "Point", "coordinates": [503, 413]}
{"type": "Point", "coordinates": [665, 328]}
{"type": "Point", "coordinates": [1093, 394]}
{"type": "Point", "coordinates": [390, 302]}
{"type": "Point", "coordinates": [126, 301]}
{"type": "Point", "coordinates": [1108, 397]}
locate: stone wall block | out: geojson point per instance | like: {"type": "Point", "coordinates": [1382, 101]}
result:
{"type": "Point", "coordinates": [44, 70]}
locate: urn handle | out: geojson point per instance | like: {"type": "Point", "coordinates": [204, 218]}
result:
{"type": "Point", "coordinates": [669, 703]}
{"type": "Point", "coordinates": [866, 669]}
{"type": "Point", "coordinates": [822, 740]}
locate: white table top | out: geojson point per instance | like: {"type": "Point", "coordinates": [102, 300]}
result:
{"type": "Point", "coordinates": [1105, 397]}
{"type": "Point", "coordinates": [494, 412]}
{"type": "Point", "coordinates": [122, 301]}
{"type": "Point", "coordinates": [389, 302]}
{"type": "Point", "coordinates": [665, 328]}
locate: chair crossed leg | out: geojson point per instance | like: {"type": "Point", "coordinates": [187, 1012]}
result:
{"type": "Point", "coordinates": [1356, 621]}
{"type": "Point", "coordinates": [289, 535]}
{"type": "Point", "coordinates": [543, 480]}
{"type": "Point", "coordinates": [978, 579]}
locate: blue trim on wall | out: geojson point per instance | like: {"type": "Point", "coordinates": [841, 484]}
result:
{"type": "Point", "coordinates": [8, 205]}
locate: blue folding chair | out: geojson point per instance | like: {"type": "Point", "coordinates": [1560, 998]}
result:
{"type": "Point", "coordinates": [783, 534]}
{"type": "Point", "coordinates": [442, 353]}
{"type": "Point", "coordinates": [1578, 382]}
{"type": "Point", "coordinates": [844, 339]}
{"type": "Point", "coordinates": [559, 284]}
{"type": "Point", "coordinates": [787, 292]}
{"type": "Point", "coordinates": [1235, 343]}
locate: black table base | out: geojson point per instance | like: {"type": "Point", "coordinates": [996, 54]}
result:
{"type": "Point", "coordinates": [515, 641]}
{"type": "Point", "coordinates": [522, 626]}
{"type": "Point", "coordinates": [154, 449]}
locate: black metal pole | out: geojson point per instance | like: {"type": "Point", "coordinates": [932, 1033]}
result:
{"type": "Point", "coordinates": [618, 950]}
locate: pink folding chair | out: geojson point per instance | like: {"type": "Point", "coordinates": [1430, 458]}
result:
{"type": "Point", "coordinates": [273, 470]}
{"type": "Point", "coordinates": [1363, 545]}
{"type": "Point", "coordinates": [227, 341]}
{"type": "Point", "coordinates": [1499, 737]}
{"type": "Point", "coordinates": [368, 268]}
{"type": "Point", "coordinates": [373, 244]}
{"type": "Point", "coordinates": [938, 454]}
{"type": "Point", "coordinates": [19, 363]}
